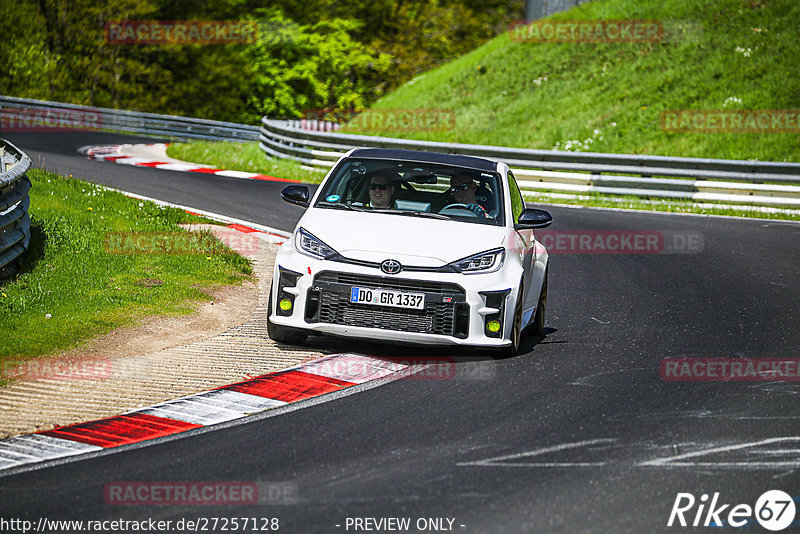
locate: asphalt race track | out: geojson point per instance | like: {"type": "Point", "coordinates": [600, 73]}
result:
{"type": "Point", "coordinates": [578, 434]}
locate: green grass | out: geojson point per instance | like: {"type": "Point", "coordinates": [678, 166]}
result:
{"type": "Point", "coordinates": [68, 275]}
{"type": "Point", "coordinates": [607, 97]}
{"type": "Point", "coordinates": [247, 157]}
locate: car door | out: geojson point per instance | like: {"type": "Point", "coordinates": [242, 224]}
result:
{"type": "Point", "coordinates": [525, 247]}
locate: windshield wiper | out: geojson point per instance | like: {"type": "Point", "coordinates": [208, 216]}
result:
{"type": "Point", "coordinates": [411, 213]}
{"type": "Point", "coordinates": [326, 204]}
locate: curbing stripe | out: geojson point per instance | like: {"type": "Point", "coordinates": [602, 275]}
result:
{"type": "Point", "coordinates": [153, 164]}
{"type": "Point", "coordinates": [329, 374]}
{"type": "Point", "coordinates": [289, 386]}
{"type": "Point", "coordinates": [111, 153]}
{"type": "Point", "coordinates": [185, 167]}
{"type": "Point", "coordinates": [193, 412]}
{"type": "Point", "coordinates": [351, 368]}
{"type": "Point", "coordinates": [121, 430]}
{"type": "Point", "coordinates": [204, 170]}
{"type": "Point", "coordinates": [36, 447]}
{"type": "Point", "coordinates": [237, 174]}
{"type": "Point", "coordinates": [233, 400]}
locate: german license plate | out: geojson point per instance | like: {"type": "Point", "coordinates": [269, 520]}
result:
{"type": "Point", "coordinates": [387, 297]}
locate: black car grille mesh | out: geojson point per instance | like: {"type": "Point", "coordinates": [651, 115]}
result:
{"type": "Point", "coordinates": [434, 319]}
{"type": "Point", "coordinates": [443, 318]}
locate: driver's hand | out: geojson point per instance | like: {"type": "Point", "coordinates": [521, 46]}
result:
{"type": "Point", "coordinates": [478, 210]}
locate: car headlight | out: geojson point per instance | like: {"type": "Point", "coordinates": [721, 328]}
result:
{"type": "Point", "coordinates": [306, 243]}
{"type": "Point", "coordinates": [485, 262]}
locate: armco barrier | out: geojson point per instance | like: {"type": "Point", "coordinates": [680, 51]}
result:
{"type": "Point", "coordinates": [759, 183]}
{"type": "Point", "coordinates": [15, 224]}
{"type": "Point", "coordinates": [317, 143]}
{"type": "Point", "coordinates": [40, 115]}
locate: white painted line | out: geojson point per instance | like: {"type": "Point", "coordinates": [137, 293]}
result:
{"type": "Point", "coordinates": [545, 464]}
{"type": "Point", "coordinates": [741, 465]}
{"type": "Point", "coordinates": [178, 167]}
{"type": "Point", "coordinates": [130, 160]}
{"type": "Point", "coordinates": [351, 367]}
{"type": "Point", "coordinates": [208, 214]}
{"type": "Point", "coordinates": [237, 174]}
{"type": "Point", "coordinates": [676, 460]}
{"type": "Point", "coordinates": [500, 461]}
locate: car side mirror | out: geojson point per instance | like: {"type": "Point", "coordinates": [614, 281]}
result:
{"type": "Point", "coordinates": [296, 194]}
{"type": "Point", "coordinates": [532, 218]}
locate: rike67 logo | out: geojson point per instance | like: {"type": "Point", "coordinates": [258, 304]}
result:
{"type": "Point", "coordinates": [774, 510]}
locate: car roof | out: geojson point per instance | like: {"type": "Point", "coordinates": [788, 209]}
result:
{"type": "Point", "coordinates": [426, 157]}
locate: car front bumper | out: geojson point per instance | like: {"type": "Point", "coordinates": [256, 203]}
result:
{"type": "Point", "coordinates": [458, 309]}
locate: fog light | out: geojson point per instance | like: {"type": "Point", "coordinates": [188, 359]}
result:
{"type": "Point", "coordinates": [286, 304]}
{"type": "Point", "coordinates": [493, 326]}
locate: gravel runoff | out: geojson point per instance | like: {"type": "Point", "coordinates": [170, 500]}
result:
{"type": "Point", "coordinates": [136, 375]}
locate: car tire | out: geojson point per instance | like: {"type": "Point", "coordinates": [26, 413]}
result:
{"type": "Point", "coordinates": [283, 334]}
{"type": "Point", "coordinates": [537, 327]}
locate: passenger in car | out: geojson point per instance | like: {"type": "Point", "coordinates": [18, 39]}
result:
{"type": "Point", "coordinates": [462, 189]}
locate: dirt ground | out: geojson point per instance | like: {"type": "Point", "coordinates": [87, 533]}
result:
{"type": "Point", "coordinates": [160, 359]}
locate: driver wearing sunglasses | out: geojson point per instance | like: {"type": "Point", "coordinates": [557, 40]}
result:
{"type": "Point", "coordinates": [381, 191]}
{"type": "Point", "coordinates": [462, 189]}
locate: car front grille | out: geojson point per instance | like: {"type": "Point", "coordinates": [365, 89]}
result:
{"type": "Point", "coordinates": [446, 311]}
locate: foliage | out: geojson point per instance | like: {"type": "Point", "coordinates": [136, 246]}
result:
{"type": "Point", "coordinates": [309, 55]}
{"type": "Point", "coordinates": [294, 69]}
{"type": "Point", "coordinates": [608, 97]}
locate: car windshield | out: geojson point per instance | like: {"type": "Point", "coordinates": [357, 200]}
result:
{"type": "Point", "coordinates": [411, 188]}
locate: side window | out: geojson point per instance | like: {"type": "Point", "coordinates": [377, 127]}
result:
{"type": "Point", "coordinates": [517, 204]}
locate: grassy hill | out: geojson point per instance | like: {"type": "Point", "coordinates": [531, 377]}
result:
{"type": "Point", "coordinates": [608, 97]}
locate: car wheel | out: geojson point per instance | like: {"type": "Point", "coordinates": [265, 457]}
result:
{"type": "Point", "coordinates": [537, 327]}
{"type": "Point", "coordinates": [283, 334]}
{"type": "Point", "coordinates": [516, 328]}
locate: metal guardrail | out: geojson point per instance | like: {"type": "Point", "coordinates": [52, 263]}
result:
{"type": "Point", "coordinates": [15, 223]}
{"type": "Point", "coordinates": [40, 115]}
{"type": "Point", "coordinates": [760, 183]}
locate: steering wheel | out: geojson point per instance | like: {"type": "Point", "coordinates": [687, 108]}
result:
{"type": "Point", "coordinates": [460, 207]}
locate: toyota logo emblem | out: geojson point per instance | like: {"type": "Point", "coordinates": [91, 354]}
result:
{"type": "Point", "coordinates": [391, 267]}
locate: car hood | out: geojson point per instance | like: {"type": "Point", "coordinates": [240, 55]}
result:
{"type": "Point", "coordinates": [408, 239]}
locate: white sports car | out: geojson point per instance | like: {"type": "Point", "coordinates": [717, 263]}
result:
{"type": "Point", "coordinates": [412, 247]}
